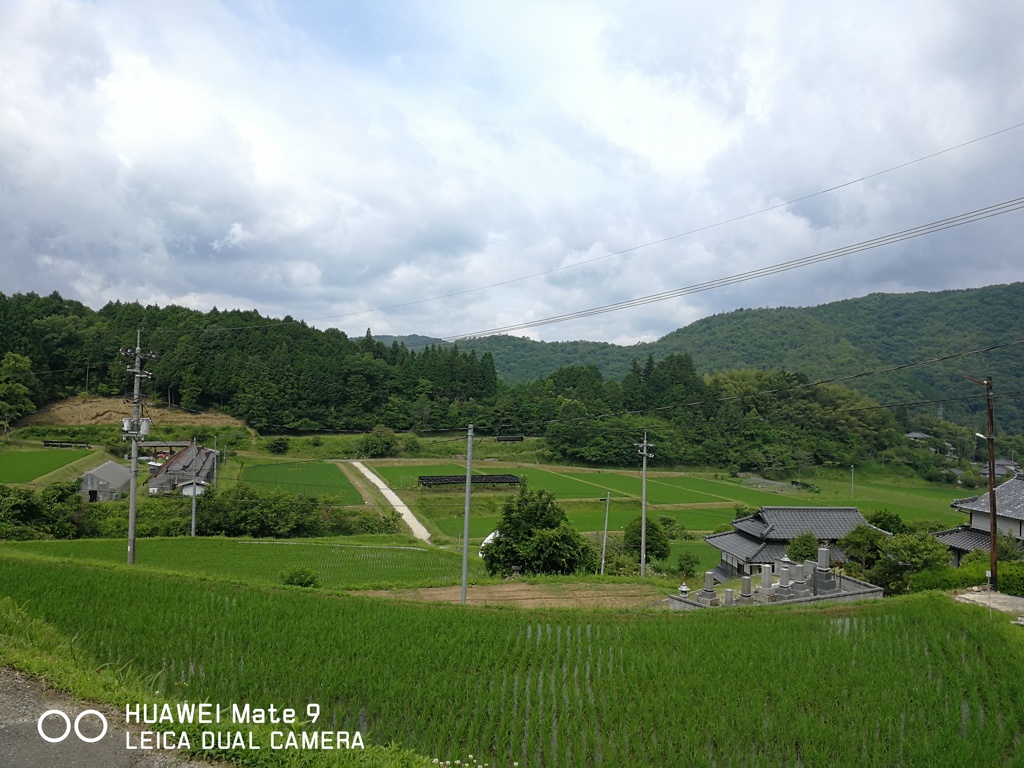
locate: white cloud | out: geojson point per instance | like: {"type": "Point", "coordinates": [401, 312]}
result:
{"type": "Point", "coordinates": [236, 237]}
{"type": "Point", "coordinates": [323, 161]}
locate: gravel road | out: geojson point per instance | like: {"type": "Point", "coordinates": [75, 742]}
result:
{"type": "Point", "coordinates": [23, 700]}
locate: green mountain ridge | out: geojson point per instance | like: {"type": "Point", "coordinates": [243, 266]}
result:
{"type": "Point", "coordinates": [841, 338]}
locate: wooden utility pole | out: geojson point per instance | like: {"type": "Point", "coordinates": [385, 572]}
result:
{"type": "Point", "coordinates": [990, 438]}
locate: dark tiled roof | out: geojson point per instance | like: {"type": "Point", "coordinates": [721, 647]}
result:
{"type": "Point", "coordinates": [965, 538]}
{"type": "Point", "coordinates": [764, 536]}
{"type": "Point", "coordinates": [1009, 500]}
{"type": "Point", "coordinates": [786, 523]}
{"type": "Point", "coordinates": [770, 553]}
{"type": "Point", "coordinates": [736, 544]}
{"type": "Point", "coordinates": [751, 525]}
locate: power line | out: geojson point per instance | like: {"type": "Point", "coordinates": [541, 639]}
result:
{"type": "Point", "coordinates": [670, 238]}
{"type": "Point", "coordinates": [970, 217]}
{"type": "Point", "coordinates": [624, 251]}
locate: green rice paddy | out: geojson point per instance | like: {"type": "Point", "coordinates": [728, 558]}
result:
{"type": "Point", "coordinates": [341, 563]}
{"type": "Point", "coordinates": [307, 478]}
{"type": "Point", "coordinates": [918, 681]}
{"type": "Point", "coordinates": [26, 466]}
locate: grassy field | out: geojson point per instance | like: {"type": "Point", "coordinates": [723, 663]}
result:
{"type": "Point", "coordinates": [341, 563]}
{"type": "Point", "coordinates": [405, 476]}
{"type": "Point", "coordinates": [917, 681]}
{"type": "Point", "coordinates": [307, 478]}
{"type": "Point", "coordinates": [26, 466]}
{"type": "Point", "coordinates": [698, 503]}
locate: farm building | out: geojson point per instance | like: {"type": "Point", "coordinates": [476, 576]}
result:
{"type": "Point", "coordinates": [191, 463]}
{"type": "Point", "coordinates": [108, 482]}
{"type": "Point", "coordinates": [1004, 468]}
{"type": "Point", "coordinates": [977, 534]}
{"type": "Point", "coordinates": [762, 538]}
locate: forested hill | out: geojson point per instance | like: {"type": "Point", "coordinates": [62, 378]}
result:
{"type": "Point", "coordinates": [272, 373]}
{"type": "Point", "coordinates": [276, 373]}
{"type": "Point", "coordinates": [845, 337]}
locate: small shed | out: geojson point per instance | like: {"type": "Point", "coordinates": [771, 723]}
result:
{"type": "Point", "coordinates": [108, 482]}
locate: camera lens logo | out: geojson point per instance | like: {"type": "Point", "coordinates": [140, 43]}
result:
{"type": "Point", "coordinates": [67, 726]}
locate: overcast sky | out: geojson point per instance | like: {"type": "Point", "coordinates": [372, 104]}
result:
{"type": "Point", "coordinates": [334, 161]}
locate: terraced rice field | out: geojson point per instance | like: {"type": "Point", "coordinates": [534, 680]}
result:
{"type": "Point", "coordinates": [917, 681]}
{"type": "Point", "coordinates": [307, 478]}
{"type": "Point", "coordinates": [341, 563]}
{"type": "Point", "coordinates": [26, 466]}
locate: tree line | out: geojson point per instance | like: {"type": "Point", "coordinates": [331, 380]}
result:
{"type": "Point", "coordinates": [283, 375]}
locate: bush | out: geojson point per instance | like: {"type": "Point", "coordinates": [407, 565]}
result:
{"type": "Point", "coordinates": [1011, 578]}
{"type": "Point", "coordinates": [948, 578]}
{"type": "Point", "coordinates": [353, 522]}
{"type": "Point", "coordinates": [381, 443]}
{"type": "Point", "coordinates": [658, 547]}
{"type": "Point", "coordinates": [888, 521]}
{"type": "Point", "coordinates": [688, 563]}
{"type": "Point", "coordinates": [804, 546]}
{"type": "Point", "coordinates": [622, 565]}
{"type": "Point", "coordinates": [410, 445]}
{"type": "Point", "coordinates": [278, 445]}
{"type": "Point", "coordinates": [300, 577]}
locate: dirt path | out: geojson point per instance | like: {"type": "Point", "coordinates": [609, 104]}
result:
{"type": "Point", "coordinates": [23, 701]}
{"type": "Point", "coordinates": [410, 519]}
{"type": "Point", "coordinates": [525, 595]}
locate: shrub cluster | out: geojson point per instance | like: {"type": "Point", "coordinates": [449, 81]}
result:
{"type": "Point", "coordinates": [60, 512]}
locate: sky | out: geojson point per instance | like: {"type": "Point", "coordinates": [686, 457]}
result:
{"type": "Point", "coordinates": [448, 168]}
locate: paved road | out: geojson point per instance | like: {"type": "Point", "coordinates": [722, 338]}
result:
{"type": "Point", "coordinates": [410, 519]}
{"type": "Point", "coordinates": [995, 600]}
{"type": "Point", "coordinates": [22, 702]}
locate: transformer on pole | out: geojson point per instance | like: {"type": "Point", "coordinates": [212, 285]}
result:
{"type": "Point", "coordinates": [136, 428]}
{"type": "Point", "coordinates": [646, 454]}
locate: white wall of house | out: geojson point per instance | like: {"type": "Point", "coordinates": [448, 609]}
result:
{"type": "Point", "coordinates": [980, 521]}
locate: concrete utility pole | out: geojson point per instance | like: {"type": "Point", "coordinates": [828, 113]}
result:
{"type": "Point", "coordinates": [135, 428]}
{"type": "Point", "coordinates": [195, 479]}
{"type": "Point", "coordinates": [465, 522]}
{"type": "Point", "coordinates": [644, 446]}
{"type": "Point", "coordinates": [990, 438]}
{"type": "Point", "coordinates": [604, 545]}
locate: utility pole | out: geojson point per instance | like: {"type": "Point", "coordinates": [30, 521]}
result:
{"type": "Point", "coordinates": [465, 522]}
{"type": "Point", "coordinates": [851, 481]}
{"type": "Point", "coordinates": [990, 438]}
{"type": "Point", "coordinates": [604, 545]}
{"type": "Point", "coordinates": [644, 446]}
{"type": "Point", "coordinates": [195, 477]}
{"type": "Point", "coordinates": [135, 429]}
